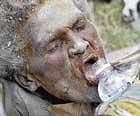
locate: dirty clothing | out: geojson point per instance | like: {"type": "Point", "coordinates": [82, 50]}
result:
{"type": "Point", "coordinates": [15, 101]}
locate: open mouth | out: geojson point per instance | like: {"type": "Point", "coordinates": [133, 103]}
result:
{"type": "Point", "coordinates": [89, 71]}
{"type": "Point", "coordinates": [91, 59]}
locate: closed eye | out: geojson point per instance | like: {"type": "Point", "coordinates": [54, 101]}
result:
{"type": "Point", "coordinates": [53, 46]}
{"type": "Point", "coordinates": [79, 24]}
{"type": "Point", "coordinates": [51, 50]}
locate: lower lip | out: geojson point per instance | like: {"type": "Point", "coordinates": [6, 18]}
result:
{"type": "Point", "coordinates": [91, 78]}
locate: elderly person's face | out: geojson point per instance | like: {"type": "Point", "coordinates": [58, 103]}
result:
{"type": "Point", "coordinates": [65, 44]}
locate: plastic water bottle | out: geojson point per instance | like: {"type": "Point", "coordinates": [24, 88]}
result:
{"type": "Point", "coordinates": [112, 82]}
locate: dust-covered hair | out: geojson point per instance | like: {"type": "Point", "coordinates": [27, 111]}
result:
{"type": "Point", "coordinates": [12, 14]}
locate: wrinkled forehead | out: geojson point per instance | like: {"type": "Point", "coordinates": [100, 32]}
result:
{"type": "Point", "coordinates": [52, 15]}
{"type": "Point", "coordinates": [56, 13]}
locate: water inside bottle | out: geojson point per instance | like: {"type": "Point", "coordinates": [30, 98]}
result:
{"type": "Point", "coordinates": [113, 82]}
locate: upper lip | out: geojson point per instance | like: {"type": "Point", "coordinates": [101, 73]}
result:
{"type": "Point", "coordinates": [89, 73]}
{"type": "Point", "coordinates": [90, 59]}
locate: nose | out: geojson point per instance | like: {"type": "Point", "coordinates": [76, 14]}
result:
{"type": "Point", "coordinates": [80, 47]}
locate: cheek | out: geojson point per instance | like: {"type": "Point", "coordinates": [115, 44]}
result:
{"type": "Point", "coordinates": [56, 61]}
{"type": "Point", "coordinates": [57, 66]}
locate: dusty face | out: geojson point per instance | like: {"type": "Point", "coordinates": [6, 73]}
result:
{"type": "Point", "coordinates": [65, 44]}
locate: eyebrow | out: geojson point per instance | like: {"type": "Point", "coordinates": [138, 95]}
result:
{"type": "Point", "coordinates": [70, 24]}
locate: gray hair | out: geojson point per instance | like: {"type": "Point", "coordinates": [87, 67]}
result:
{"type": "Point", "coordinates": [12, 13]}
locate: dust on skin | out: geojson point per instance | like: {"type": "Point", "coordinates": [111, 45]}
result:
{"type": "Point", "coordinates": [64, 45]}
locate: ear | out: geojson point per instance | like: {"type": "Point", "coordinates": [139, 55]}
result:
{"type": "Point", "coordinates": [83, 6]}
{"type": "Point", "coordinates": [28, 82]}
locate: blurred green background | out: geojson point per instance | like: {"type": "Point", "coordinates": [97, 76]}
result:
{"type": "Point", "coordinates": [115, 33]}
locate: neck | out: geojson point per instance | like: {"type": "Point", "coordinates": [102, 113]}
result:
{"type": "Point", "coordinates": [47, 96]}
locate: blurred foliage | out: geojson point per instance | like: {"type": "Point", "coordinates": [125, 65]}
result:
{"type": "Point", "coordinates": [113, 30]}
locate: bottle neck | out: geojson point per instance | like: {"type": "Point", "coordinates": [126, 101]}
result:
{"type": "Point", "coordinates": [104, 70]}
